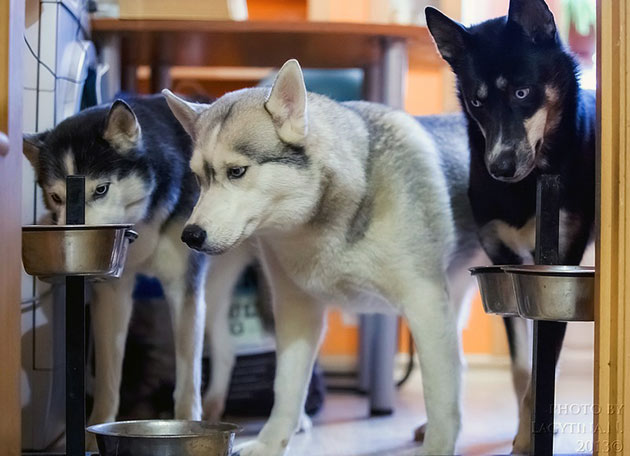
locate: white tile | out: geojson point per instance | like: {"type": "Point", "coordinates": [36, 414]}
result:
{"type": "Point", "coordinates": [42, 288]}
{"type": "Point", "coordinates": [26, 286]}
{"type": "Point", "coordinates": [48, 45]}
{"type": "Point", "coordinates": [29, 110]}
{"type": "Point", "coordinates": [44, 343]}
{"type": "Point", "coordinates": [28, 193]}
{"type": "Point", "coordinates": [46, 111]}
{"type": "Point", "coordinates": [31, 34]}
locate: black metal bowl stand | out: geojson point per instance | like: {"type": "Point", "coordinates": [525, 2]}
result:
{"type": "Point", "coordinates": [546, 333]}
{"type": "Point", "coordinates": [75, 333]}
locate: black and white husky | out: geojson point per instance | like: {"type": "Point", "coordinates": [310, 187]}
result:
{"type": "Point", "coordinates": [344, 200]}
{"type": "Point", "coordinates": [135, 157]}
{"type": "Point", "coordinates": [519, 89]}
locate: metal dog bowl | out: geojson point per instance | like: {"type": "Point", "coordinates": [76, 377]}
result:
{"type": "Point", "coordinates": [555, 293]}
{"type": "Point", "coordinates": [94, 251]}
{"type": "Point", "coordinates": [164, 438]}
{"type": "Point", "coordinates": [497, 291]}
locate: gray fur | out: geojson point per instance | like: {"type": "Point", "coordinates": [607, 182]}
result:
{"type": "Point", "coordinates": [380, 208]}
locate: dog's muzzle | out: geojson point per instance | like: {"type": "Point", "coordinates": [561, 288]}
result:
{"type": "Point", "coordinates": [194, 236]}
{"type": "Point", "coordinates": [504, 167]}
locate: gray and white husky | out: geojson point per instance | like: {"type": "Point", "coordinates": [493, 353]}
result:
{"type": "Point", "coordinates": [135, 158]}
{"type": "Point", "coordinates": [344, 200]}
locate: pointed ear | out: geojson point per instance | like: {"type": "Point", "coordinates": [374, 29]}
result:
{"type": "Point", "coordinates": [450, 37]}
{"type": "Point", "coordinates": [534, 18]}
{"type": "Point", "coordinates": [31, 146]}
{"type": "Point", "coordinates": [122, 129]}
{"type": "Point", "coordinates": [184, 111]}
{"type": "Point", "coordinates": [286, 103]}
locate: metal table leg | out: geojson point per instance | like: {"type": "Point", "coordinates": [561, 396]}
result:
{"type": "Point", "coordinates": [383, 350]}
{"type": "Point", "coordinates": [110, 55]}
{"type": "Point", "coordinates": [385, 83]}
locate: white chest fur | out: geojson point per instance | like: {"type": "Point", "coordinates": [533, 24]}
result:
{"type": "Point", "coordinates": [522, 241]}
{"type": "Point", "coordinates": [158, 251]}
{"type": "Point", "coordinates": [338, 276]}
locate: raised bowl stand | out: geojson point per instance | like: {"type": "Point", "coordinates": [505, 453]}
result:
{"type": "Point", "coordinates": [544, 363]}
{"type": "Point", "coordinates": [75, 333]}
{"type": "Point", "coordinates": [75, 330]}
{"type": "Point", "coordinates": [548, 326]}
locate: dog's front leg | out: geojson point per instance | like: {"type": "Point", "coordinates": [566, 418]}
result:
{"type": "Point", "coordinates": [223, 273]}
{"type": "Point", "coordinates": [433, 323]}
{"type": "Point", "coordinates": [187, 304]}
{"type": "Point", "coordinates": [111, 309]}
{"type": "Point", "coordinates": [299, 328]}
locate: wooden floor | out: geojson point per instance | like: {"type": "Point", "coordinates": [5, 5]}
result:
{"type": "Point", "coordinates": [343, 429]}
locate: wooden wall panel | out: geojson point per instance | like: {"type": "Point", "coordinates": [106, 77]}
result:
{"type": "Point", "coordinates": [612, 325]}
{"type": "Point", "coordinates": [11, 29]}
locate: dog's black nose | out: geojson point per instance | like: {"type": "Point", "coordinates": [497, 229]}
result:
{"type": "Point", "coordinates": [194, 236]}
{"type": "Point", "coordinates": [503, 167]}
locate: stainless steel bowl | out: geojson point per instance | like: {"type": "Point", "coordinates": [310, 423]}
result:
{"type": "Point", "coordinates": [164, 438]}
{"type": "Point", "coordinates": [555, 293]}
{"type": "Point", "coordinates": [94, 251]}
{"type": "Point", "coordinates": [497, 291]}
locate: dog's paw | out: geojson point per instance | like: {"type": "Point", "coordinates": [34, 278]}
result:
{"type": "Point", "coordinates": [258, 448]}
{"type": "Point", "coordinates": [305, 423]}
{"type": "Point", "coordinates": [438, 443]}
{"type": "Point", "coordinates": [213, 408]}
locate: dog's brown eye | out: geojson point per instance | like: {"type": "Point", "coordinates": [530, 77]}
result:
{"type": "Point", "coordinates": [55, 198]}
{"type": "Point", "coordinates": [521, 94]}
{"type": "Point", "coordinates": [475, 103]}
{"type": "Point", "coordinates": [237, 172]}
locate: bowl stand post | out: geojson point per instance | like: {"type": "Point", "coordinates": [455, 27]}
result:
{"type": "Point", "coordinates": [75, 330]}
{"type": "Point", "coordinates": [545, 332]}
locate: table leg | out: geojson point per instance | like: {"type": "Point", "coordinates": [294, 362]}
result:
{"type": "Point", "coordinates": [383, 350]}
{"type": "Point", "coordinates": [366, 330]}
{"type": "Point", "coordinates": [129, 79]}
{"type": "Point", "coordinates": [160, 77]}
{"type": "Point", "coordinates": [110, 55]}
{"type": "Point", "coordinates": [395, 68]}
{"type": "Point", "coordinates": [384, 83]}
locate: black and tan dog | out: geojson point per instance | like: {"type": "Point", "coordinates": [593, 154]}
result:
{"type": "Point", "coordinates": [527, 115]}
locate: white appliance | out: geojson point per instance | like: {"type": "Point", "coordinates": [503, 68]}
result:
{"type": "Point", "coordinates": [57, 61]}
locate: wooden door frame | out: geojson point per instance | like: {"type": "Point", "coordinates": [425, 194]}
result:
{"type": "Point", "coordinates": [612, 322]}
{"type": "Point", "coordinates": [11, 32]}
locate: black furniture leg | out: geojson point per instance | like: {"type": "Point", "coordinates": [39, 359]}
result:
{"type": "Point", "coordinates": [75, 331]}
{"type": "Point", "coordinates": [545, 332]}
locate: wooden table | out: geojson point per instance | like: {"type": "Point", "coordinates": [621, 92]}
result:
{"type": "Point", "coordinates": [381, 50]}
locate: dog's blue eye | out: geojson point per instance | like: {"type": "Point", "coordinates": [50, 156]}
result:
{"type": "Point", "coordinates": [101, 190]}
{"type": "Point", "coordinates": [521, 94]}
{"type": "Point", "coordinates": [475, 103]}
{"type": "Point", "coordinates": [237, 172]}
{"type": "Point", "coordinates": [55, 198]}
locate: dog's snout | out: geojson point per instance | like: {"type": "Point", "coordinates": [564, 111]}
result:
{"type": "Point", "coordinates": [194, 236]}
{"type": "Point", "coordinates": [504, 166]}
